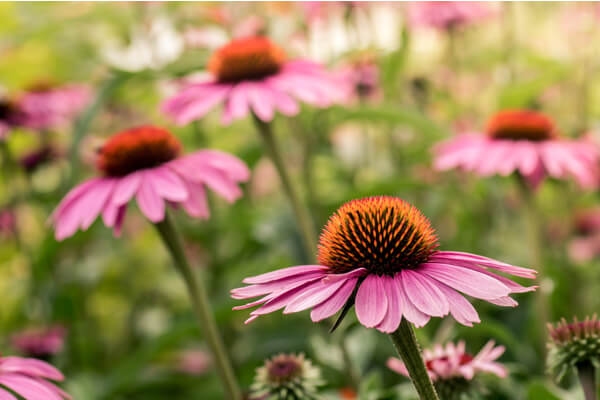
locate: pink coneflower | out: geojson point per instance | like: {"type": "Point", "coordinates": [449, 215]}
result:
{"type": "Point", "coordinates": [380, 254]}
{"type": "Point", "coordinates": [453, 361]}
{"type": "Point", "coordinates": [28, 378]}
{"type": "Point", "coordinates": [446, 14]}
{"type": "Point", "coordinates": [47, 107]}
{"type": "Point", "coordinates": [253, 75]}
{"type": "Point", "coordinates": [363, 78]}
{"type": "Point", "coordinates": [521, 141]}
{"type": "Point", "coordinates": [145, 162]}
{"type": "Point", "coordinates": [452, 369]}
{"type": "Point", "coordinates": [40, 343]}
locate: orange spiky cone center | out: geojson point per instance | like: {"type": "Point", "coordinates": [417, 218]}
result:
{"type": "Point", "coordinates": [382, 234]}
{"type": "Point", "coordinates": [521, 125]}
{"type": "Point", "coordinates": [137, 148]}
{"type": "Point", "coordinates": [249, 58]}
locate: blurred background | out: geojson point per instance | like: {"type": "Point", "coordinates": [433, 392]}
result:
{"type": "Point", "coordinates": [112, 313]}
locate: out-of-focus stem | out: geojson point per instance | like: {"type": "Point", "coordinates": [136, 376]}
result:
{"type": "Point", "coordinates": [587, 378]}
{"type": "Point", "coordinates": [406, 345]}
{"type": "Point", "coordinates": [201, 306]}
{"type": "Point", "coordinates": [303, 218]}
{"type": "Point", "coordinates": [535, 242]}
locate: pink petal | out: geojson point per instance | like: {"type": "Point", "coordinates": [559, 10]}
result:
{"type": "Point", "coordinates": [466, 280]}
{"type": "Point", "coordinates": [285, 273]}
{"type": "Point", "coordinates": [95, 200]}
{"type": "Point", "coordinates": [150, 203]}
{"type": "Point", "coordinates": [371, 301]}
{"type": "Point", "coordinates": [424, 293]}
{"type": "Point", "coordinates": [392, 318]}
{"type": "Point", "coordinates": [251, 291]}
{"type": "Point", "coordinates": [409, 311]}
{"type": "Point", "coordinates": [313, 297]}
{"type": "Point", "coordinates": [196, 204]}
{"type": "Point", "coordinates": [286, 297]}
{"type": "Point", "coordinates": [200, 106]}
{"type": "Point", "coordinates": [237, 105]}
{"type": "Point", "coordinates": [397, 365]}
{"type": "Point", "coordinates": [30, 366]}
{"type": "Point", "coordinates": [504, 302]}
{"type": "Point", "coordinates": [27, 387]}
{"type": "Point", "coordinates": [261, 100]}
{"type": "Point", "coordinates": [126, 188]}
{"type": "Point", "coordinates": [167, 184]}
{"type": "Point", "coordinates": [460, 308]}
{"type": "Point", "coordinates": [335, 302]}
{"type": "Point", "coordinates": [4, 395]}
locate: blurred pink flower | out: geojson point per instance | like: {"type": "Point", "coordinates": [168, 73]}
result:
{"type": "Point", "coordinates": [8, 223]}
{"type": "Point", "coordinates": [521, 141]}
{"type": "Point", "coordinates": [40, 343]}
{"type": "Point", "coordinates": [362, 76]}
{"type": "Point", "coordinates": [145, 162]}
{"type": "Point", "coordinates": [10, 115]}
{"type": "Point", "coordinates": [253, 75]}
{"type": "Point", "coordinates": [586, 243]}
{"type": "Point", "coordinates": [193, 362]}
{"type": "Point", "coordinates": [28, 378]}
{"type": "Point", "coordinates": [380, 254]}
{"type": "Point", "coordinates": [453, 361]}
{"type": "Point", "coordinates": [446, 14]}
{"type": "Point", "coordinates": [45, 107]}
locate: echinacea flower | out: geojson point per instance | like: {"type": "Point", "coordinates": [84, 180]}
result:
{"type": "Point", "coordinates": [34, 159]}
{"type": "Point", "coordinates": [573, 345]}
{"type": "Point", "coordinates": [145, 162]}
{"type": "Point", "coordinates": [446, 14]}
{"type": "Point", "coordinates": [286, 376]}
{"type": "Point", "coordinates": [253, 75]}
{"type": "Point", "coordinates": [40, 343]}
{"type": "Point", "coordinates": [379, 253]}
{"type": "Point", "coordinates": [522, 141]}
{"type": "Point", "coordinates": [28, 378]}
{"type": "Point", "coordinates": [44, 106]}
{"type": "Point", "coordinates": [452, 368]}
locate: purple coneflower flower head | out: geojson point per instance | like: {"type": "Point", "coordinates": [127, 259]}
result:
{"type": "Point", "coordinates": [29, 378]}
{"type": "Point", "coordinates": [145, 163]}
{"type": "Point", "coordinates": [452, 368]}
{"type": "Point", "coordinates": [380, 255]}
{"type": "Point", "coordinates": [254, 75]}
{"type": "Point", "coordinates": [446, 15]}
{"type": "Point", "coordinates": [40, 343]}
{"type": "Point", "coordinates": [362, 76]}
{"type": "Point", "coordinates": [286, 376]}
{"type": "Point", "coordinates": [522, 141]}
{"type": "Point", "coordinates": [574, 344]}
{"type": "Point", "coordinates": [46, 107]}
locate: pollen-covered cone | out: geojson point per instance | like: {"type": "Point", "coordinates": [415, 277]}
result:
{"type": "Point", "coordinates": [379, 254]}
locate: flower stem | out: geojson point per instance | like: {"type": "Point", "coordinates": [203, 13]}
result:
{"type": "Point", "coordinates": [201, 306]}
{"type": "Point", "coordinates": [406, 345]}
{"type": "Point", "coordinates": [587, 378]}
{"type": "Point", "coordinates": [535, 242]}
{"type": "Point", "coordinates": [303, 218]}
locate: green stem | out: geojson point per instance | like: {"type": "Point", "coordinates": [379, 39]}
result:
{"type": "Point", "coordinates": [406, 345]}
{"type": "Point", "coordinates": [303, 218]}
{"type": "Point", "coordinates": [587, 378]}
{"type": "Point", "coordinates": [201, 306]}
{"type": "Point", "coordinates": [535, 241]}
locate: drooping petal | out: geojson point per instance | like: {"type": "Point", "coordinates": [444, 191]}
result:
{"type": "Point", "coordinates": [424, 294]}
{"type": "Point", "coordinates": [392, 318]}
{"type": "Point", "coordinates": [27, 387]}
{"type": "Point", "coordinates": [30, 366]}
{"type": "Point", "coordinates": [126, 188]}
{"type": "Point", "coordinates": [409, 310]}
{"type": "Point", "coordinates": [335, 302]}
{"type": "Point", "coordinates": [460, 308]}
{"type": "Point", "coordinates": [284, 273]}
{"type": "Point", "coordinates": [167, 184]}
{"type": "Point", "coordinates": [371, 301]}
{"type": "Point", "coordinates": [150, 203]}
{"type": "Point", "coordinates": [466, 280]}
{"type": "Point", "coordinates": [313, 297]}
